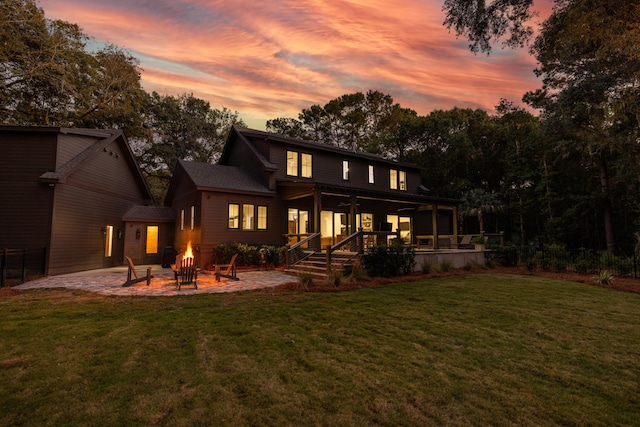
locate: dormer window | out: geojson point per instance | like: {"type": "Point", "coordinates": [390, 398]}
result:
{"type": "Point", "coordinates": [402, 178]}
{"type": "Point", "coordinates": [345, 170]}
{"type": "Point", "coordinates": [372, 178]}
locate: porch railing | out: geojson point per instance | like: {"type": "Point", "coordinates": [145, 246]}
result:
{"type": "Point", "coordinates": [296, 253]}
{"type": "Point", "coordinates": [354, 245]}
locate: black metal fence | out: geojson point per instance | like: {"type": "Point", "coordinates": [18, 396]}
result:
{"type": "Point", "coordinates": [19, 265]}
{"type": "Point", "coordinates": [578, 260]}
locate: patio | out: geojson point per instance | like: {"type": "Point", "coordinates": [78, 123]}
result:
{"type": "Point", "coordinates": [109, 281]}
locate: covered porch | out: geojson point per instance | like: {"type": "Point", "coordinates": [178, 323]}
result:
{"type": "Point", "coordinates": [337, 212]}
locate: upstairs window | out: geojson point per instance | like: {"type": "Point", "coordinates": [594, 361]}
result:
{"type": "Point", "coordinates": [372, 179]}
{"type": "Point", "coordinates": [402, 176]}
{"type": "Point", "coordinates": [345, 170]}
{"type": "Point", "coordinates": [393, 179]}
{"type": "Point", "coordinates": [307, 166]}
{"type": "Point", "coordinates": [181, 219]}
{"type": "Point", "coordinates": [192, 225]}
{"type": "Point", "coordinates": [397, 180]}
{"type": "Point", "coordinates": [292, 163]}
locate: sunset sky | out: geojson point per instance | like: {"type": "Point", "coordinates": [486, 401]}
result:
{"type": "Point", "coordinates": [268, 59]}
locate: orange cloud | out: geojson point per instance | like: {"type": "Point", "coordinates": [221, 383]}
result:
{"type": "Point", "coordinates": [272, 59]}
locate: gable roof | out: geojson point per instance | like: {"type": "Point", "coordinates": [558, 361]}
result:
{"type": "Point", "coordinates": [104, 137]}
{"type": "Point", "coordinates": [210, 177]}
{"type": "Point", "coordinates": [245, 134]}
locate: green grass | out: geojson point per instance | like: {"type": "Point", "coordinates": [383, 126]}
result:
{"type": "Point", "coordinates": [477, 349]}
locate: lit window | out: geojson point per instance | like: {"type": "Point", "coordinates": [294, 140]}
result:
{"type": "Point", "coordinates": [403, 180]}
{"type": "Point", "coordinates": [182, 220]}
{"type": "Point", "coordinates": [393, 179]}
{"type": "Point", "coordinates": [306, 165]}
{"type": "Point", "coordinates": [262, 217]}
{"type": "Point", "coordinates": [152, 239]}
{"type": "Point", "coordinates": [234, 212]}
{"type": "Point", "coordinates": [108, 243]}
{"type": "Point", "coordinates": [247, 217]}
{"type": "Point", "coordinates": [193, 217]}
{"type": "Point", "coordinates": [292, 163]}
{"type": "Point", "coordinates": [371, 175]}
{"type": "Point", "coordinates": [345, 170]}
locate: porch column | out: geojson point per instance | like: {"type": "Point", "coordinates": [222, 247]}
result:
{"type": "Point", "coordinates": [317, 207]}
{"type": "Point", "coordinates": [353, 210]}
{"type": "Point", "coordinates": [455, 226]}
{"type": "Point", "coordinates": [434, 220]}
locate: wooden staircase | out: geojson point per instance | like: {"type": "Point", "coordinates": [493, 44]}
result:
{"type": "Point", "coordinates": [316, 264]}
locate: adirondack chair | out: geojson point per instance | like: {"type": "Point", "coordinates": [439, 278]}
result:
{"type": "Point", "coordinates": [229, 269]}
{"type": "Point", "coordinates": [132, 272]}
{"type": "Point", "coordinates": [186, 274]}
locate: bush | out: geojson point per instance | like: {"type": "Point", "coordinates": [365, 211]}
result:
{"type": "Point", "coordinates": [389, 261]}
{"type": "Point", "coordinates": [446, 266]}
{"type": "Point", "coordinates": [305, 280]}
{"type": "Point", "coordinates": [335, 278]}
{"type": "Point", "coordinates": [248, 255]}
{"type": "Point", "coordinates": [426, 267]}
{"type": "Point", "coordinates": [358, 273]}
{"type": "Point", "coordinates": [605, 278]}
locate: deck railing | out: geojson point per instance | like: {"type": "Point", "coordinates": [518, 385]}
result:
{"type": "Point", "coordinates": [296, 252]}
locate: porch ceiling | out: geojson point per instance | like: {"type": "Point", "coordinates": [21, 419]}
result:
{"type": "Point", "coordinates": [292, 190]}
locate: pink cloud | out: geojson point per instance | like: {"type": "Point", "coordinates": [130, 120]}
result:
{"type": "Point", "coordinates": [272, 59]}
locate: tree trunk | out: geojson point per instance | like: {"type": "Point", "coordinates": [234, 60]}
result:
{"type": "Point", "coordinates": [607, 208]}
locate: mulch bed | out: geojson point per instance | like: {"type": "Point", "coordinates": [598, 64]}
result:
{"type": "Point", "coordinates": [619, 283]}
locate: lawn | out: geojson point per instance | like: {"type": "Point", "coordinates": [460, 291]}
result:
{"type": "Point", "coordinates": [481, 349]}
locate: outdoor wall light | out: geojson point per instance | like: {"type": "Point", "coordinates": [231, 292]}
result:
{"type": "Point", "coordinates": [119, 233]}
{"type": "Point", "coordinates": [138, 234]}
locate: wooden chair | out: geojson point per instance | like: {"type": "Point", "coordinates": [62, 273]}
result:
{"type": "Point", "coordinates": [230, 269]}
{"type": "Point", "coordinates": [132, 271]}
{"type": "Point", "coordinates": [465, 243]}
{"type": "Point", "coordinates": [186, 274]}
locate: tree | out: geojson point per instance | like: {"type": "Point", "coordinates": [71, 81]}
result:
{"type": "Point", "coordinates": [181, 128]}
{"type": "Point", "coordinates": [477, 202]}
{"type": "Point", "coordinates": [590, 65]}
{"type": "Point", "coordinates": [356, 121]}
{"type": "Point", "coordinates": [483, 22]}
{"type": "Point", "coordinates": [47, 77]}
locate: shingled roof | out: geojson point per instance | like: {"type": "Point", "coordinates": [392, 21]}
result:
{"type": "Point", "coordinates": [207, 176]}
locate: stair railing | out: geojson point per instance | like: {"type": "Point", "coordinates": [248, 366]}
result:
{"type": "Point", "coordinates": [296, 253]}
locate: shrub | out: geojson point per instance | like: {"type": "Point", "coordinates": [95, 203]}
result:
{"type": "Point", "coordinates": [446, 266]}
{"type": "Point", "coordinates": [605, 278]}
{"type": "Point", "coordinates": [335, 278]}
{"type": "Point", "coordinates": [426, 267]}
{"type": "Point", "coordinates": [358, 273]}
{"type": "Point", "coordinates": [389, 261]}
{"type": "Point", "coordinates": [305, 280]}
{"type": "Point", "coordinates": [247, 254]}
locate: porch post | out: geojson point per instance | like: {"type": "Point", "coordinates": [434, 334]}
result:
{"type": "Point", "coordinates": [353, 210]}
{"type": "Point", "coordinates": [317, 207]}
{"type": "Point", "coordinates": [434, 220]}
{"type": "Point", "coordinates": [455, 226]}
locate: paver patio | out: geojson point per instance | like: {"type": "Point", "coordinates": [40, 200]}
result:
{"type": "Point", "coordinates": [109, 281]}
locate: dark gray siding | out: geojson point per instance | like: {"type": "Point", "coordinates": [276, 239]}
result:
{"type": "Point", "coordinates": [70, 146]}
{"type": "Point", "coordinates": [25, 202]}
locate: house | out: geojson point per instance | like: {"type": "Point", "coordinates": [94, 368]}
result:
{"type": "Point", "coordinates": [70, 191]}
{"type": "Point", "coordinates": [270, 189]}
